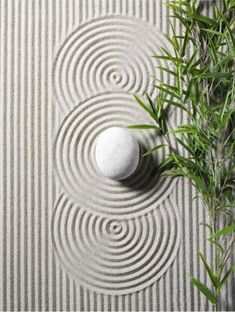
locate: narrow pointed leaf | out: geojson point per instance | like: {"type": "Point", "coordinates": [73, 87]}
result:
{"type": "Point", "coordinates": [167, 91]}
{"type": "Point", "coordinates": [226, 276]}
{"type": "Point", "coordinates": [206, 225]}
{"type": "Point", "coordinates": [173, 173]}
{"type": "Point", "coordinates": [171, 102]}
{"type": "Point", "coordinates": [143, 127]}
{"type": "Point", "coordinates": [202, 18]}
{"type": "Point", "coordinates": [180, 131]}
{"type": "Point", "coordinates": [214, 75]}
{"type": "Point", "coordinates": [145, 107]}
{"type": "Point", "coordinates": [226, 230]}
{"type": "Point", "coordinates": [204, 289]}
{"type": "Point", "coordinates": [156, 148]}
{"type": "Point", "coordinates": [185, 146]}
{"type": "Point", "coordinates": [151, 103]}
{"type": "Point", "coordinates": [217, 245]}
{"type": "Point", "coordinates": [209, 271]}
{"type": "Point", "coordinates": [167, 70]}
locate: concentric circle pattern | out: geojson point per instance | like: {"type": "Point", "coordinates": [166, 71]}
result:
{"type": "Point", "coordinates": [115, 256]}
{"type": "Point", "coordinates": [111, 53]}
{"type": "Point", "coordinates": [116, 237]}
{"type": "Point", "coordinates": [77, 169]}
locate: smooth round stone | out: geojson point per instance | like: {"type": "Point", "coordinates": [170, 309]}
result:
{"type": "Point", "coordinates": [117, 153]}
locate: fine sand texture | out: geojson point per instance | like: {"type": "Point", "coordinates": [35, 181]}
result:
{"type": "Point", "coordinates": [72, 239]}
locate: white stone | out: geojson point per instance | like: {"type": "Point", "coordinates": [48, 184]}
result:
{"type": "Point", "coordinates": [117, 153]}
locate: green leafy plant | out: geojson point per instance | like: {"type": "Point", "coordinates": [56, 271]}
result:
{"type": "Point", "coordinates": [200, 62]}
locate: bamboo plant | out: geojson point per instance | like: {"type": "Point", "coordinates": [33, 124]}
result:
{"type": "Point", "coordinates": [200, 62]}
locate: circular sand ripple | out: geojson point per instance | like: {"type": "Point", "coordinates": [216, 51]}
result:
{"type": "Point", "coordinates": [115, 256]}
{"type": "Point", "coordinates": [111, 53]}
{"type": "Point", "coordinates": [74, 154]}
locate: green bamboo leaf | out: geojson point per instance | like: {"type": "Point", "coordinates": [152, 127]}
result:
{"type": "Point", "coordinates": [171, 41]}
{"type": "Point", "coordinates": [210, 75]}
{"type": "Point", "coordinates": [226, 117]}
{"type": "Point", "coordinates": [226, 230]}
{"type": "Point", "coordinates": [190, 63]}
{"type": "Point", "coordinates": [169, 86]}
{"type": "Point", "coordinates": [199, 183]}
{"type": "Point", "coordinates": [188, 91]}
{"type": "Point", "coordinates": [202, 18]}
{"type": "Point", "coordinates": [181, 131]}
{"type": "Point", "coordinates": [156, 148]}
{"type": "Point", "coordinates": [194, 6]}
{"type": "Point", "coordinates": [181, 2]}
{"type": "Point", "coordinates": [207, 225]}
{"type": "Point", "coordinates": [166, 162]}
{"type": "Point", "coordinates": [213, 278]}
{"type": "Point", "coordinates": [176, 104]}
{"type": "Point", "coordinates": [151, 103]}
{"type": "Point", "coordinates": [173, 59]}
{"type": "Point", "coordinates": [183, 20]}
{"type": "Point", "coordinates": [143, 127]}
{"type": "Point", "coordinates": [217, 245]}
{"type": "Point", "coordinates": [204, 289]}
{"type": "Point", "coordinates": [179, 79]}
{"type": "Point", "coordinates": [167, 70]}
{"type": "Point", "coordinates": [144, 106]}
{"type": "Point", "coordinates": [213, 50]}
{"type": "Point", "coordinates": [232, 5]}
{"type": "Point", "coordinates": [187, 147]}
{"type": "Point", "coordinates": [167, 91]}
{"type": "Point", "coordinates": [229, 29]}
{"type": "Point", "coordinates": [185, 42]}
{"type": "Point", "coordinates": [226, 276]}
{"type": "Point", "coordinates": [173, 173]}
{"type": "Point", "coordinates": [212, 31]}
{"type": "Point", "coordinates": [225, 60]}
{"type": "Point", "coordinates": [230, 206]}
{"type": "Point", "coordinates": [224, 105]}
{"type": "Point", "coordinates": [163, 57]}
{"type": "Point", "coordinates": [175, 7]}
{"type": "Point", "coordinates": [174, 37]}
